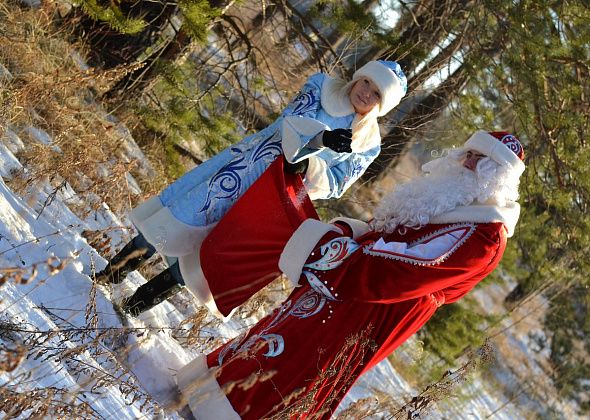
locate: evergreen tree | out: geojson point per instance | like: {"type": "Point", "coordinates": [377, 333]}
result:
{"type": "Point", "coordinates": [119, 32]}
{"type": "Point", "coordinates": [528, 77]}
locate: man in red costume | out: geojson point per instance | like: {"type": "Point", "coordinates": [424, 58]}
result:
{"type": "Point", "coordinates": [365, 288]}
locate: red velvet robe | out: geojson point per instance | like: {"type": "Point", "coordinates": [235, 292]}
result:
{"type": "Point", "coordinates": [354, 307]}
{"type": "Point", "coordinates": [240, 256]}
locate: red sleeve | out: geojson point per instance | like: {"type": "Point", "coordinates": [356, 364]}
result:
{"type": "Point", "coordinates": [370, 275]}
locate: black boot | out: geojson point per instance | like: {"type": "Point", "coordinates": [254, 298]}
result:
{"type": "Point", "coordinates": [148, 295]}
{"type": "Point", "coordinates": [128, 259]}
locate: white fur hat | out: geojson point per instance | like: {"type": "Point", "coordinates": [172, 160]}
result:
{"type": "Point", "coordinates": [390, 80]}
{"type": "Point", "coordinates": [503, 148]}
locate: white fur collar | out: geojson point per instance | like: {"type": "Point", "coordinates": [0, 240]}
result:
{"type": "Point", "coordinates": [483, 213]}
{"type": "Point", "coordinates": [334, 98]}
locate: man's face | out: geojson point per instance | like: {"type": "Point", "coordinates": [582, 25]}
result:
{"type": "Point", "coordinates": [364, 95]}
{"type": "Point", "coordinates": [471, 158]}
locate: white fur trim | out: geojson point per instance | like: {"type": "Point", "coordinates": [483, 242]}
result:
{"type": "Point", "coordinates": [205, 398]}
{"type": "Point", "coordinates": [146, 209]}
{"type": "Point", "coordinates": [197, 284]}
{"type": "Point", "coordinates": [481, 213]}
{"type": "Point", "coordinates": [487, 144]}
{"type": "Point", "coordinates": [300, 245]}
{"type": "Point", "coordinates": [359, 228]}
{"type": "Point", "coordinates": [292, 129]}
{"type": "Point", "coordinates": [316, 182]}
{"type": "Point", "coordinates": [173, 238]}
{"type": "Point", "coordinates": [165, 232]}
{"type": "Point", "coordinates": [386, 80]}
{"type": "Point", "coordinates": [335, 98]}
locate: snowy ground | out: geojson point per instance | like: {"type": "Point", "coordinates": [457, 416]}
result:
{"type": "Point", "coordinates": [59, 332]}
{"type": "Point", "coordinates": [75, 341]}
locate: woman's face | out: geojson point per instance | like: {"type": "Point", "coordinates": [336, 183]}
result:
{"type": "Point", "coordinates": [364, 95]}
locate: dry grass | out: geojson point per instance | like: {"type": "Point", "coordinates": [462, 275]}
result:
{"type": "Point", "coordinates": [50, 89]}
{"type": "Point", "coordinates": [86, 353]}
{"type": "Point", "coordinates": [53, 91]}
{"type": "Point", "coordinates": [154, 149]}
{"type": "Point", "coordinates": [24, 275]}
{"type": "Point", "coordinates": [92, 356]}
{"type": "Point", "coordinates": [422, 404]}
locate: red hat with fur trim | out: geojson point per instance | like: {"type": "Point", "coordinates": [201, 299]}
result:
{"type": "Point", "coordinates": [502, 147]}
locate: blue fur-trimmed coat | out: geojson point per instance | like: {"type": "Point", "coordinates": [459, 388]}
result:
{"type": "Point", "coordinates": [203, 195]}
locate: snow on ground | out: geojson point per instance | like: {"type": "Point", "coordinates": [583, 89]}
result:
{"type": "Point", "coordinates": [125, 368]}
{"type": "Point", "coordinates": [61, 302]}
{"type": "Point", "coordinates": [79, 349]}
{"type": "Point", "coordinates": [522, 352]}
{"type": "Point", "coordinates": [141, 355]}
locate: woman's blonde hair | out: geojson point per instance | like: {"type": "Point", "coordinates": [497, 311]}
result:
{"type": "Point", "coordinates": [365, 129]}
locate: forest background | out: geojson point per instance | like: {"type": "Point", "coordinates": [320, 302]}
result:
{"type": "Point", "coordinates": [190, 77]}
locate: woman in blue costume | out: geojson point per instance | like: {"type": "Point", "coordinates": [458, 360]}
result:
{"type": "Point", "coordinates": [328, 133]}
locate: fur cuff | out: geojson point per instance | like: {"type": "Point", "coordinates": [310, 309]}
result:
{"type": "Point", "coordinates": [296, 132]}
{"type": "Point", "coordinates": [358, 227]}
{"type": "Point", "coordinates": [300, 245]}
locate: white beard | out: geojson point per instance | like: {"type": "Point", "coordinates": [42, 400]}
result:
{"type": "Point", "coordinates": [446, 185]}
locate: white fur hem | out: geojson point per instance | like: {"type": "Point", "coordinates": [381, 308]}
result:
{"type": "Point", "coordinates": [316, 182]}
{"type": "Point", "coordinates": [166, 233]}
{"type": "Point", "coordinates": [203, 393]}
{"type": "Point", "coordinates": [173, 238]}
{"type": "Point", "coordinates": [300, 245]}
{"type": "Point", "coordinates": [197, 284]}
{"type": "Point", "coordinates": [359, 228]}
{"type": "Point", "coordinates": [146, 209]}
{"type": "Point", "coordinates": [482, 214]}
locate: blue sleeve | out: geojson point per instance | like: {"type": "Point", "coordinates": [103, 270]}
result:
{"type": "Point", "coordinates": [349, 171]}
{"type": "Point", "coordinates": [300, 123]}
{"type": "Point", "coordinates": [330, 180]}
